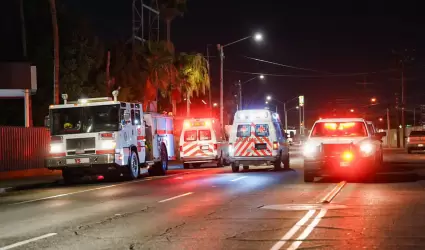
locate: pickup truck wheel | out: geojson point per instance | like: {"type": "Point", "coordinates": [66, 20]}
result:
{"type": "Point", "coordinates": [160, 167]}
{"type": "Point", "coordinates": [133, 166]}
{"type": "Point", "coordinates": [308, 177]}
{"type": "Point", "coordinates": [235, 168]}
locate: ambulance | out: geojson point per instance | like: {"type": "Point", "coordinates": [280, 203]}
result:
{"type": "Point", "coordinates": [257, 137]}
{"type": "Point", "coordinates": [202, 140]}
{"type": "Point", "coordinates": [105, 137]}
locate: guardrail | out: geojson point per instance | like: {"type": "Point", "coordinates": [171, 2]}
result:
{"type": "Point", "coordinates": [23, 148]}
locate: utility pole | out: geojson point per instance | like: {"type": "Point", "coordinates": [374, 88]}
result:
{"type": "Point", "coordinates": [403, 125]}
{"type": "Point", "coordinates": [300, 120]}
{"type": "Point", "coordinates": [240, 95]}
{"type": "Point", "coordinates": [286, 117]}
{"type": "Point", "coordinates": [397, 119]}
{"type": "Point", "coordinates": [388, 128]}
{"type": "Point", "coordinates": [221, 53]}
{"type": "Point", "coordinates": [209, 75]}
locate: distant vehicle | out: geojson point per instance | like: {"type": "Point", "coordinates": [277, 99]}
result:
{"type": "Point", "coordinates": [290, 133]}
{"type": "Point", "coordinates": [101, 136]}
{"type": "Point", "coordinates": [342, 146]}
{"type": "Point", "coordinates": [416, 141]}
{"type": "Point", "coordinates": [201, 141]}
{"type": "Point", "coordinates": [257, 137]}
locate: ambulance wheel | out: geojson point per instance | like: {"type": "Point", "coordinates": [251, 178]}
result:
{"type": "Point", "coordinates": [277, 164]}
{"type": "Point", "coordinates": [245, 167]}
{"type": "Point", "coordinates": [235, 168]}
{"type": "Point", "coordinates": [160, 167]}
{"type": "Point", "coordinates": [308, 177]}
{"type": "Point", "coordinates": [220, 162]}
{"type": "Point", "coordinates": [286, 162]}
{"type": "Point", "coordinates": [133, 166]}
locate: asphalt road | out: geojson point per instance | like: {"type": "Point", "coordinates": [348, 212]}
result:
{"type": "Point", "coordinates": [213, 208]}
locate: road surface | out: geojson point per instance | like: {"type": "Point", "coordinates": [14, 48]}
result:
{"type": "Point", "coordinates": [213, 208]}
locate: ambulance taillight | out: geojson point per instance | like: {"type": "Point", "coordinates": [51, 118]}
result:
{"type": "Point", "coordinates": [215, 146]}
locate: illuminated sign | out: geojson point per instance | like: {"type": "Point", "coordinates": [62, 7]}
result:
{"type": "Point", "coordinates": [301, 100]}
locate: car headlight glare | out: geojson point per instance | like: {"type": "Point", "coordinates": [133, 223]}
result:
{"type": "Point", "coordinates": [309, 150]}
{"type": "Point", "coordinates": [366, 148]}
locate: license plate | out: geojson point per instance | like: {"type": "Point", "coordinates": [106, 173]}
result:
{"type": "Point", "coordinates": [205, 147]}
{"type": "Point", "coordinates": [77, 161]}
{"type": "Point", "coordinates": [420, 145]}
{"type": "Point", "coordinates": [260, 146]}
{"type": "Point", "coordinates": [344, 164]}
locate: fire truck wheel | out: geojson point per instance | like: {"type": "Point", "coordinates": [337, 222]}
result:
{"type": "Point", "coordinates": [133, 166]}
{"type": "Point", "coordinates": [186, 165]}
{"type": "Point", "coordinates": [235, 167]}
{"type": "Point", "coordinates": [160, 167]}
{"type": "Point", "coordinates": [68, 176]}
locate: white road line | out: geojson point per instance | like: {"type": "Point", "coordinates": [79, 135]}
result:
{"type": "Point", "coordinates": [293, 230]}
{"type": "Point", "coordinates": [175, 197]}
{"type": "Point", "coordinates": [240, 178]}
{"type": "Point", "coordinates": [308, 230]}
{"type": "Point", "coordinates": [21, 243]}
{"type": "Point", "coordinates": [93, 189]}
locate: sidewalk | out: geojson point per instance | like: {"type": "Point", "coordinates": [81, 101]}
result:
{"type": "Point", "coordinates": [15, 180]}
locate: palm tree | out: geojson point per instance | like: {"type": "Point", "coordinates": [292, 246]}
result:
{"type": "Point", "coordinates": [194, 72]}
{"type": "Point", "coordinates": [170, 9]}
{"type": "Point", "coordinates": [55, 49]}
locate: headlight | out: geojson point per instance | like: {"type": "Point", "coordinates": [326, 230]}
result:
{"type": "Point", "coordinates": [56, 148]}
{"type": "Point", "coordinates": [108, 144]}
{"type": "Point", "coordinates": [309, 150]}
{"type": "Point", "coordinates": [366, 148]}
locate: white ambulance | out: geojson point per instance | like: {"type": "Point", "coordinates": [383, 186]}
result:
{"type": "Point", "coordinates": [257, 137]}
{"type": "Point", "coordinates": [202, 141]}
{"type": "Point", "coordinates": [101, 136]}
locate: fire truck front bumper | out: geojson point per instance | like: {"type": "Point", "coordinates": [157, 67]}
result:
{"type": "Point", "coordinates": [78, 161]}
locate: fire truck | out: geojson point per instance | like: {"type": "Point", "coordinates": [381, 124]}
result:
{"type": "Point", "coordinates": [106, 137]}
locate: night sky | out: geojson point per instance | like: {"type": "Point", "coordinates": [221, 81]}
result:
{"type": "Point", "coordinates": [330, 37]}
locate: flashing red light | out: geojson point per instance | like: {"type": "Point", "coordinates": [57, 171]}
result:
{"type": "Point", "coordinates": [107, 135]}
{"type": "Point", "coordinates": [215, 146]}
{"type": "Point", "coordinates": [347, 156]}
{"type": "Point", "coordinates": [100, 178]}
{"type": "Point", "coordinates": [330, 126]}
{"type": "Point", "coordinates": [275, 145]}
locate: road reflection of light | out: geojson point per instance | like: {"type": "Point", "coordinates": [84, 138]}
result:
{"type": "Point", "coordinates": [58, 203]}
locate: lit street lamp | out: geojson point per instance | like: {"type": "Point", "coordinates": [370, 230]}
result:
{"type": "Point", "coordinates": [215, 104]}
{"type": "Point", "coordinates": [373, 99]}
{"type": "Point", "coordinates": [381, 119]}
{"type": "Point", "coordinates": [257, 37]}
{"type": "Point", "coordinates": [352, 110]}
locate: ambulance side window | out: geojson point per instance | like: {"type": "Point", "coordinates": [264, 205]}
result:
{"type": "Point", "coordinates": [137, 117]}
{"type": "Point", "coordinates": [132, 117]}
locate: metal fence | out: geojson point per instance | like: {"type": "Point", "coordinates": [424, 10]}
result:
{"type": "Point", "coordinates": [23, 148]}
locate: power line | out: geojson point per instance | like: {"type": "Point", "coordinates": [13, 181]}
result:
{"type": "Point", "coordinates": [311, 76]}
{"type": "Point", "coordinates": [286, 66]}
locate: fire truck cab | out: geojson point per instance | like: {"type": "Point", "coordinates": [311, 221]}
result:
{"type": "Point", "coordinates": [202, 140]}
{"type": "Point", "coordinates": [257, 137]}
{"type": "Point", "coordinates": [101, 136]}
{"type": "Point", "coordinates": [342, 146]}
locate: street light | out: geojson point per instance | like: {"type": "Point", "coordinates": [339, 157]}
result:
{"type": "Point", "coordinates": [266, 102]}
{"type": "Point", "coordinates": [352, 110]}
{"type": "Point", "coordinates": [257, 37]}
{"type": "Point", "coordinates": [373, 99]}
{"type": "Point", "coordinates": [268, 98]}
{"type": "Point", "coordinates": [381, 119]}
{"type": "Point", "coordinates": [215, 104]}
{"type": "Point", "coordinates": [240, 87]}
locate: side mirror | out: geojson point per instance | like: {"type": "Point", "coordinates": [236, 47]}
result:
{"type": "Point", "coordinates": [47, 121]}
{"type": "Point", "coordinates": [380, 135]}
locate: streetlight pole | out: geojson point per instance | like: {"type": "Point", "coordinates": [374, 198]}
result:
{"type": "Point", "coordinates": [286, 117]}
{"type": "Point", "coordinates": [240, 95]}
{"type": "Point", "coordinates": [220, 48]}
{"type": "Point", "coordinates": [388, 128]}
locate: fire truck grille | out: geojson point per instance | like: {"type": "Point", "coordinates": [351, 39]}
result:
{"type": "Point", "coordinates": [80, 144]}
{"type": "Point", "coordinates": [334, 149]}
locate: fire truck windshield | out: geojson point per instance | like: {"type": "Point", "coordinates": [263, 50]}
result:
{"type": "Point", "coordinates": [339, 129]}
{"type": "Point", "coordinates": [85, 119]}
